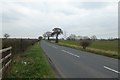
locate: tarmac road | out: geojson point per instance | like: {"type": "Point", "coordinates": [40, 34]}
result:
{"type": "Point", "coordinates": [72, 63]}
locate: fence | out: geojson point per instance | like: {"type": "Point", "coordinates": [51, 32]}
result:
{"type": "Point", "coordinates": [6, 58]}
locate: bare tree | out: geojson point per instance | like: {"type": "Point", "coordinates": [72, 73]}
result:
{"type": "Point", "coordinates": [85, 38]}
{"type": "Point", "coordinates": [44, 35]}
{"type": "Point", "coordinates": [65, 35]}
{"type": "Point", "coordinates": [72, 37]}
{"type": "Point", "coordinates": [40, 38]}
{"type": "Point", "coordinates": [48, 34]}
{"type": "Point", "coordinates": [85, 42]}
{"type": "Point", "coordinates": [57, 32]}
{"type": "Point", "coordinates": [93, 37]}
{"type": "Point", "coordinates": [79, 37]}
{"type": "Point", "coordinates": [6, 35]}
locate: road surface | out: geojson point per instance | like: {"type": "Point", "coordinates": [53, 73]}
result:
{"type": "Point", "coordinates": [72, 63]}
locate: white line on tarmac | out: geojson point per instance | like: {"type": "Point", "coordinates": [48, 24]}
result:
{"type": "Point", "coordinates": [70, 53]}
{"type": "Point", "coordinates": [112, 69]}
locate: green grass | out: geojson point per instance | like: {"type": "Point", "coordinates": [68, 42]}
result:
{"type": "Point", "coordinates": [70, 42]}
{"type": "Point", "coordinates": [106, 48]}
{"type": "Point", "coordinates": [31, 64]}
{"type": "Point", "coordinates": [103, 45]}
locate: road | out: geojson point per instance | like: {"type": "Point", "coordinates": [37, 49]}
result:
{"type": "Point", "coordinates": [72, 63]}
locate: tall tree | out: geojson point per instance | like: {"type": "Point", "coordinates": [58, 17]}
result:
{"type": "Point", "coordinates": [48, 34]}
{"type": "Point", "coordinates": [40, 38]}
{"type": "Point", "coordinates": [44, 35]}
{"type": "Point", "coordinates": [57, 32]}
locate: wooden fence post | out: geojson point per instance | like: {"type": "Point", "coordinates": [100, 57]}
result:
{"type": "Point", "coordinates": [5, 61]}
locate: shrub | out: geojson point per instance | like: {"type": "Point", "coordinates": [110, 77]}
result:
{"type": "Point", "coordinates": [18, 45]}
{"type": "Point", "coordinates": [85, 42]}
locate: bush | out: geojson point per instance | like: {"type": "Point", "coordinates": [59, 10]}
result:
{"type": "Point", "coordinates": [85, 43]}
{"type": "Point", "coordinates": [18, 45]}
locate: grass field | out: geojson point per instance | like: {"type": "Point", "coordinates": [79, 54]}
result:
{"type": "Point", "coordinates": [31, 64]}
{"type": "Point", "coordinates": [106, 45]}
{"type": "Point", "coordinates": [102, 47]}
{"type": "Point", "coordinates": [98, 44]}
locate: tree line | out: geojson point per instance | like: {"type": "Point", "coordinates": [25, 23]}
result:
{"type": "Point", "coordinates": [74, 37]}
{"type": "Point", "coordinates": [55, 32]}
{"type": "Point", "coordinates": [84, 40]}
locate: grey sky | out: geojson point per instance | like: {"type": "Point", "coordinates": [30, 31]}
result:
{"type": "Point", "coordinates": [32, 19]}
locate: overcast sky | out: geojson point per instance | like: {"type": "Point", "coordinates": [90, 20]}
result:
{"type": "Point", "coordinates": [32, 19]}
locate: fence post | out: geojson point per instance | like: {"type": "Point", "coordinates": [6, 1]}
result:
{"type": "Point", "coordinates": [21, 43]}
{"type": "Point", "coordinates": [5, 61]}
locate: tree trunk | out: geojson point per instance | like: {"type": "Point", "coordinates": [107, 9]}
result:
{"type": "Point", "coordinates": [57, 38]}
{"type": "Point", "coordinates": [48, 38]}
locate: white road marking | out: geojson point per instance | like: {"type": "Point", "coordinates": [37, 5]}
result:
{"type": "Point", "coordinates": [112, 69]}
{"type": "Point", "coordinates": [54, 47]}
{"type": "Point", "coordinates": [70, 53]}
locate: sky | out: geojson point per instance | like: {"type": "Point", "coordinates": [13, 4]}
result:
{"type": "Point", "coordinates": [31, 19]}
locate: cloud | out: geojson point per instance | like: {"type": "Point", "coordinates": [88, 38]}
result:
{"type": "Point", "coordinates": [31, 19]}
{"type": "Point", "coordinates": [91, 5]}
{"type": "Point", "coordinates": [11, 16]}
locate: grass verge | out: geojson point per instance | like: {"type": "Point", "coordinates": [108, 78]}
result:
{"type": "Point", "coordinates": [108, 53]}
{"type": "Point", "coordinates": [31, 64]}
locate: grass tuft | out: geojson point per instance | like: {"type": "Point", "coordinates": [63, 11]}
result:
{"type": "Point", "coordinates": [31, 64]}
